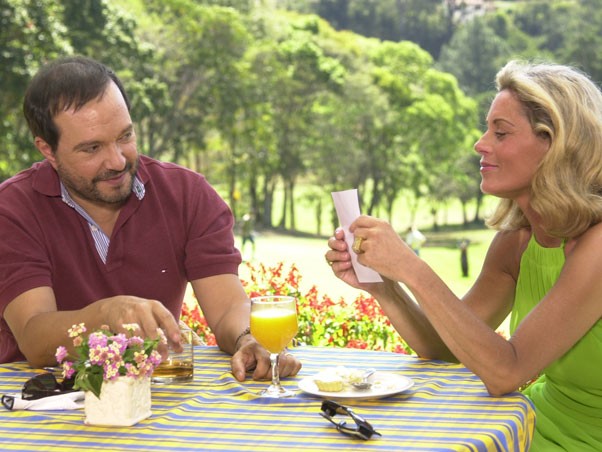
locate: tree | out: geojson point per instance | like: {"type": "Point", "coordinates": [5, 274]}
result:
{"type": "Point", "coordinates": [582, 40]}
{"type": "Point", "coordinates": [473, 56]}
{"type": "Point", "coordinates": [297, 73]}
{"type": "Point", "coordinates": [425, 22]}
{"type": "Point", "coordinates": [31, 33]}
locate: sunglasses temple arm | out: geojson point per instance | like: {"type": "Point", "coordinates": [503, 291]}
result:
{"type": "Point", "coordinates": [8, 402]}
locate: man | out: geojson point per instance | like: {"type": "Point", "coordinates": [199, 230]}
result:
{"type": "Point", "coordinates": [248, 234]}
{"type": "Point", "coordinates": [415, 239]}
{"type": "Point", "coordinates": [97, 233]}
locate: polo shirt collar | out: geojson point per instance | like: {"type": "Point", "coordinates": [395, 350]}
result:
{"type": "Point", "coordinates": [46, 180]}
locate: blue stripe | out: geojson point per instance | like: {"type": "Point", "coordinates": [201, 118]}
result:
{"type": "Point", "coordinates": [447, 409]}
{"type": "Point", "coordinates": [101, 240]}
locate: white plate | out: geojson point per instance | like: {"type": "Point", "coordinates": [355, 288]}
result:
{"type": "Point", "coordinates": [384, 384]}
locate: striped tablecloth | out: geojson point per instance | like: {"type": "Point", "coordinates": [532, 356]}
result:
{"type": "Point", "coordinates": [447, 409]}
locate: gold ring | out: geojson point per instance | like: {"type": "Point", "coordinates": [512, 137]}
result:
{"type": "Point", "coordinates": [357, 245]}
{"type": "Point", "coordinates": [328, 262]}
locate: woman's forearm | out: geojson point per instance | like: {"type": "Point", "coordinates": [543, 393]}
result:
{"type": "Point", "coordinates": [411, 323]}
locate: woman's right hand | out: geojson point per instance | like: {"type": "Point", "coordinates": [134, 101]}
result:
{"type": "Point", "coordinates": [339, 259]}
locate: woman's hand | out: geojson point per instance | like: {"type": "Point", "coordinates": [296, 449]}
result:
{"type": "Point", "coordinates": [339, 258]}
{"type": "Point", "coordinates": [382, 248]}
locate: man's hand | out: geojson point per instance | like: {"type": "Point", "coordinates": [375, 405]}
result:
{"type": "Point", "coordinates": [39, 328]}
{"type": "Point", "coordinates": [253, 357]}
{"type": "Point", "coordinates": [150, 315]}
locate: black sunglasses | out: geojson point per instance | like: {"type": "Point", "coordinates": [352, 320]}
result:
{"type": "Point", "coordinates": [45, 385]}
{"type": "Point", "coordinates": [362, 430]}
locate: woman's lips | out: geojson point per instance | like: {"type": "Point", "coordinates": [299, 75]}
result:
{"type": "Point", "coordinates": [485, 166]}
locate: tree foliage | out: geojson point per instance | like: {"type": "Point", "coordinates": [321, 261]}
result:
{"type": "Point", "coordinates": [262, 96]}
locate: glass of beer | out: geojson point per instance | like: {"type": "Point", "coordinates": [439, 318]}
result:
{"type": "Point", "coordinates": [178, 366]}
{"type": "Point", "coordinates": [274, 325]}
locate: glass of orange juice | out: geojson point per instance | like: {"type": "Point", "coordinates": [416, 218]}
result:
{"type": "Point", "coordinates": [274, 325]}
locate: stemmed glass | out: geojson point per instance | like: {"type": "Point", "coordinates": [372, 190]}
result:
{"type": "Point", "coordinates": [274, 325]}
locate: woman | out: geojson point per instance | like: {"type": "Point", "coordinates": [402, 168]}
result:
{"type": "Point", "coordinates": [542, 155]}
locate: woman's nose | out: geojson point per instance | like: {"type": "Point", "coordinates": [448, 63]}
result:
{"type": "Point", "coordinates": [480, 146]}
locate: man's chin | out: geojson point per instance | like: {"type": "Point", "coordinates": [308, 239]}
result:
{"type": "Point", "coordinates": [114, 196]}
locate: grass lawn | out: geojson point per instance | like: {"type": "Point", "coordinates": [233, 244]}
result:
{"type": "Point", "coordinates": [440, 252]}
{"type": "Point", "coordinates": [307, 254]}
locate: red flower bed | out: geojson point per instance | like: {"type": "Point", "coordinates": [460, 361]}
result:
{"type": "Point", "coordinates": [322, 321]}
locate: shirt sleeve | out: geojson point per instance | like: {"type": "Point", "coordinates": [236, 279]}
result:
{"type": "Point", "coordinates": [210, 248]}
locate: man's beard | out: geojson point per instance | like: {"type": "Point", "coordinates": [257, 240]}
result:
{"type": "Point", "coordinates": [89, 190]}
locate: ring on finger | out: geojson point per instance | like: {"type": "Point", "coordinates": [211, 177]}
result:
{"type": "Point", "coordinates": [357, 245]}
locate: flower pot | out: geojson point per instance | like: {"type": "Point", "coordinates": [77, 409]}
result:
{"type": "Point", "coordinates": [124, 401]}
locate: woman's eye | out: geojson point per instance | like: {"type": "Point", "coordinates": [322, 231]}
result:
{"type": "Point", "coordinates": [500, 135]}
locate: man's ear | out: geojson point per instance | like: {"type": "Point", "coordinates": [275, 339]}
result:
{"type": "Point", "coordinates": [45, 150]}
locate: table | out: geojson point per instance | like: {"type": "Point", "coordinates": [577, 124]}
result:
{"type": "Point", "coordinates": [447, 409]}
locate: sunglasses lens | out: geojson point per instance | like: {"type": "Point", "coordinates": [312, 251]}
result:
{"type": "Point", "coordinates": [40, 386]}
{"type": "Point", "coordinates": [363, 430]}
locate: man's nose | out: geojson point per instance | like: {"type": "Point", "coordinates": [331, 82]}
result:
{"type": "Point", "coordinates": [114, 158]}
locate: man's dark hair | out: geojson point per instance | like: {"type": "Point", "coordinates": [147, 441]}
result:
{"type": "Point", "coordinates": [69, 82]}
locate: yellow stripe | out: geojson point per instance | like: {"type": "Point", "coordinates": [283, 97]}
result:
{"type": "Point", "coordinates": [447, 408]}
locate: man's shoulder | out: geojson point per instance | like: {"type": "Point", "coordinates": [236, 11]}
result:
{"type": "Point", "coordinates": [153, 169]}
{"type": "Point", "coordinates": [152, 164]}
{"type": "Point", "coordinates": [29, 179]}
{"type": "Point", "coordinates": [166, 179]}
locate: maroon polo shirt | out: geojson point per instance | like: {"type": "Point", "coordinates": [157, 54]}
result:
{"type": "Point", "coordinates": [181, 230]}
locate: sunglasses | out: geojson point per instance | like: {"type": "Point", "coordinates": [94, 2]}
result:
{"type": "Point", "coordinates": [362, 430]}
{"type": "Point", "coordinates": [45, 385]}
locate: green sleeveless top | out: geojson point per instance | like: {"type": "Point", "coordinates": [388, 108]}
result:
{"type": "Point", "coordinates": [568, 395]}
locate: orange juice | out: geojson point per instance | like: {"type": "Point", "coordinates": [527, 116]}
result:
{"type": "Point", "coordinates": [274, 328]}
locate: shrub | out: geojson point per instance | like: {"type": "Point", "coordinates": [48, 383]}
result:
{"type": "Point", "coordinates": [322, 321]}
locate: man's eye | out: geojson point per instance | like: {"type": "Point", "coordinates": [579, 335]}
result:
{"type": "Point", "coordinates": [92, 149]}
{"type": "Point", "coordinates": [127, 136]}
{"type": "Point", "coordinates": [500, 135]}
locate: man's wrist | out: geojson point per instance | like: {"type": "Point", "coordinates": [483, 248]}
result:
{"type": "Point", "coordinates": [244, 333]}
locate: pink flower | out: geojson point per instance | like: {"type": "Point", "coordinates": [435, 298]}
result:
{"type": "Point", "coordinates": [61, 354]}
{"type": "Point", "coordinates": [131, 370]}
{"type": "Point", "coordinates": [111, 354]}
{"type": "Point", "coordinates": [111, 371]}
{"type": "Point", "coordinates": [76, 330]}
{"type": "Point", "coordinates": [131, 327]}
{"type": "Point", "coordinates": [120, 341]}
{"type": "Point", "coordinates": [135, 341]}
{"type": "Point", "coordinates": [68, 369]}
{"type": "Point", "coordinates": [155, 358]}
{"type": "Point", "coordinates": [97, 339]}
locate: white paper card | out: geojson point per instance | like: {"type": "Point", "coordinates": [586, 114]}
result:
{"type": "Point", "coordinates": [347, 206]}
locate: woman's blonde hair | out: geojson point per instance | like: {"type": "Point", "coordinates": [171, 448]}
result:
{"type": "Point", "coordinates": [565, 106]}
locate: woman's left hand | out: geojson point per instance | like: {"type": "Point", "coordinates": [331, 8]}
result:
{"type": "Point", "coordinates": [382, 248]}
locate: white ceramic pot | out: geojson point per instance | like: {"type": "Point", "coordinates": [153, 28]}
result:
{"type": "Point", "coordinates": [124, 401]}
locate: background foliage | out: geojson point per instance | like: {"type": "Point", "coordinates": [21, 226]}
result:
{"type": "Point", "coordinates": [265, 97]}
{"type": "Point", "coordinates": [323, 321]}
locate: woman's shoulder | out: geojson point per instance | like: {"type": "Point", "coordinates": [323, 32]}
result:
{"type": "Point", "coordinates": [506, 250]}
{"type": "Point", "coordinates": [515, 241]}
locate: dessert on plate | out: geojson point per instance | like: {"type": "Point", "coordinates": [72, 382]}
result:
{"type": "Point", "coordinates": [337, 379]}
